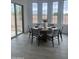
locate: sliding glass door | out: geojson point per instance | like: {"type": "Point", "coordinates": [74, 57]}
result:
{"type": "Point", "coordinates": [16, 19]}
{"type": "Point", "coordinates": [13, 33]}
{"type": "Point", "coordinates": [19, 18]}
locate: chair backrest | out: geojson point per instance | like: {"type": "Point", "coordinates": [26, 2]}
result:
{"type": "Point", "coordinates": [48, 25]}
{"type": "Point", "coordinates": [61, 29]}
{"type": "Point", "coordinates": [49, 31]}
{"type": "Point", "coordinates": [51, 25]}
{"type": "Point", "coordinates": [56, 32]}
{"type": "Point", "coordinates": [36, 25]}
{"type": "Point", "coordinates": [35, 32]}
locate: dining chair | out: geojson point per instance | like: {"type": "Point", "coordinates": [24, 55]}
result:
{"type": "Point", "coordinates": [35, 34]}
{"type": "Point", "coordinates": [54, 34]}
{"type": "Point", "coordinates": [50, 37]}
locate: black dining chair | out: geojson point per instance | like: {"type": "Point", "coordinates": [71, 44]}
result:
{"type": "Point", "coordinates": [52, 35]}
{"type": "Point", "coordinates": [35, 34]}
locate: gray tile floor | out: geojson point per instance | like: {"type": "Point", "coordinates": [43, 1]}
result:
{"type": "Point", "coordinates": [21, 48]}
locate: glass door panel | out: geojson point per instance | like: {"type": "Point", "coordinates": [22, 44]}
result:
{"type": "Point", "coordinates": [19, 18]}
{"type": "Point", "coordinates": [13, 33]}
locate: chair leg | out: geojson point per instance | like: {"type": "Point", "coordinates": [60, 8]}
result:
{"type": "Point", "coordinates": [58, 40]}
{"type": "Point", "coordinates": [61, 37]}
{"type": "Point", "coordinates": [32, 40]}
{"type": "Point", "coordinates": [38, 41]}
{"type": "Point", "coordinates": [29, 35]}
{"type": "Point", "coordinates": [52, 41]}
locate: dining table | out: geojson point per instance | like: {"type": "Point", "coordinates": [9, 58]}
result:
{"type": "Point", "coordinates": [44, 32]}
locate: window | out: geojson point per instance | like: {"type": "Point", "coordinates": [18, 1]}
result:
{"type": "Point", "coordinates": [65, 13]}
{"type": "Point", "coordinates": [16, 19]}
{"type": "Point", "coordinates": [44, 11]}
{"type": "Point", "coordinates": [54, 12]}
{"type": "Point", "coordinates": [34, 12]}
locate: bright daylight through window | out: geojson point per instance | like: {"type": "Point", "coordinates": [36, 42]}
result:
{"type": "Point", "coordinates": [34, 13]}
{"type": "Point", "coordinates": [54, 12]}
